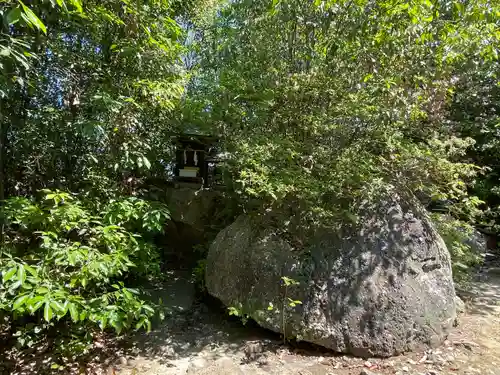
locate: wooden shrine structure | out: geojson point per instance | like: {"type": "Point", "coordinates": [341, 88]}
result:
{"type": "Point", "coordinates": [196, 160]}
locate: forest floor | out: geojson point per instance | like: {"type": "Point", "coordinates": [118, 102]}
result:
{"type": "Point", "coordinates": [200, 340]}
{"type": "Point", "coordinates": [205, 342]}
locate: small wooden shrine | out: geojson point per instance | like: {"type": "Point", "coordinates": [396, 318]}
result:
{"type": "Point", "coordinates": [196, 157]}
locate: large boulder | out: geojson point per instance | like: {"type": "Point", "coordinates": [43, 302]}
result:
{"type": "Point", "coordinates": [378, 288]}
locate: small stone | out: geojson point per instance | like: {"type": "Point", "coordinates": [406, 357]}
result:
{"type": "Point", "coordinates": [405, 369]}
{"type": "Point", "coordinates": [388, 364]}
{"type": "Point", "coordinates": [469, 345]}
{"type": "Point", "coordinates": [169, 351]}
{"type": "Point", "coordinates": [198, 362]}
{"type": "Point", "coordinates": [366, 372]}
{"type": "Point", "coordinates": [411, 362]}
{"type": "Point", "coordinates": [122, 361]}
{"type": "Point", "coordinates": [432, 372]}
{"type": "Point", "coordinates": [367, 364]}
{"type": "Point", "coordinates": [434, 358]}
{"type": "Point", "coordinates": [253, 350]}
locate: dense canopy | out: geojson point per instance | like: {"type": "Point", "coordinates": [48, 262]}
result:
{"type": "Point", "coordinates": [318, 105]}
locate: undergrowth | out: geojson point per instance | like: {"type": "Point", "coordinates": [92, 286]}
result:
{"type": "Point", "coordinates": [68, 262]}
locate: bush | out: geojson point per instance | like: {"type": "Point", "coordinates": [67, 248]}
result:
{"type": "Point", "coordinates": [463, 247]}
{"type": "Point", "coordinates": [62, 258]}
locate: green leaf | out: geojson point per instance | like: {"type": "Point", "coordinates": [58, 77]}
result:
{"type": "Point", "coordinates": [21, 274]}
{"type": "Point", "coordinates": [83, 315]}
{"type": "Point", "coordinates": [140, 323]}
{"type": "Point", "coordinates": [20, 301]}
{"type": "Point", "coordinates": [32, 18]}
{"type": "Point", "coordinates": [35, 303]}
{"type": "Point", "coordinates": [73, 312]}
{"type": "Point", "coordinates": [127, 294]}
{"type": "Point", "coordinates": [57, 306]}
{"type": "Point", "coordinates": [147, 163]}
{"type": "Point", "coordinates": [5, 51]}
{"type": "Point", "coordinates": [8, 275]}
{"type": "Point", "coordinates": [47, 312]}
{"type": "Point", "coordinates": [103, 322]}
{"type": "Point", "coordinates": [16, 285]}
{"type": "Point", "coordinates": [77, 4]}
{"type": "Point", "coordinates": [13, 16]}
{"type": "Point", "coordinates": [31, 270]}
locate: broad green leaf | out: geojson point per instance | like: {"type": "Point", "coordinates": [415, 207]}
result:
{"type": "Point", "coordinates": [73, 312]}
{"type": "Point", "coordinates": [35, 303]}
{"type": "Point", "coordinates": [20, 301]}
{"type": "Point", "coordinates": [83, 315]}
{"type": "Point", "coordinates": [31, 270]}
{"type": "Point", "coordinates": [15, 285]}
{"type": "Point", "coordinates": [147, 163]}
{"type": "Point", "coordinates": [58, 307]}
{"type": "Point", "coordinates": [140, 323]}
{"type": "Point", "coordinates": [13, 16]}
{"type": "Point", "coordinates": [103, 322]}
{"type": "Point", "coordinates": [32, 18]}
{"type": "Point", "coordinates": [9, 274]}
{"type": "Point", "coordinates": [77, 4]}
{"type": "Point", "coordinates": [47, 312]}
{"type": "Point", "coordinates": [5, 51]}
{"type": "Point", "coordinates": [21, 274]}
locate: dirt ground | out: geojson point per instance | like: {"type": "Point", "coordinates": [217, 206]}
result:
{"type": "Point", "coordinates": [196, 338]}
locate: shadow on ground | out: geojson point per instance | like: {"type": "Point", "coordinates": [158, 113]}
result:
{"type": "Point", "coordinates": [482, 296]}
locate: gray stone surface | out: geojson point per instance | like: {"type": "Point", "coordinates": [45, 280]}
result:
{"type": "Point", "coordinates": [191, 206]}
{"type": "Point", "coordinates": [379, 289]}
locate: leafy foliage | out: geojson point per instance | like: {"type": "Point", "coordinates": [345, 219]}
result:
{"type": "Point", "coordinates": [321, 103]}
{"type": "Point", "coordinates": [318, 105]}
{"type": "Point", "coordinates": [90, 103]}
{"type": "Point", "coordinates": [62, 261]}
{"type": "Point", "coordinates": [462, 243]}
{"type": "Point", "coordinates": [475, 111]}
